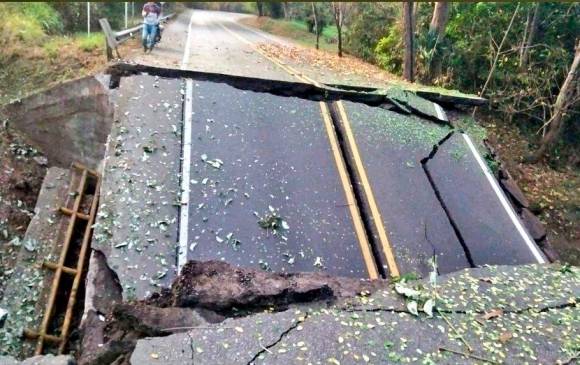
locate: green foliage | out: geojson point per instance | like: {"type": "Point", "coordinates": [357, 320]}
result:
{"type": "Point", "coordinates": [27, 23]}
{"type": "Point", "coordinates": [89, 43]}
{"type": "Point", "coordinates": [368, 24]}
{"type": "Point", "coordinates": [465, 55]}
{"type": "Point", "coordinates": [39, 12]}
{"type": "Point", "coordinates": [389, 51]}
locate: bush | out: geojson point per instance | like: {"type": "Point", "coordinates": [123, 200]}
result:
{"type": "Point", "coordinates": [27, 23]}
{"type": "Point", "coordinates": [369, 23]}
{"type": "Point", "coordinates": [310, 25]}
{"type": "Point", "coordinates": [40, 12]}
{"type": "Point", "coordinates": [389, 50]}
{"type": "Point", "coordinates": [89, 43]}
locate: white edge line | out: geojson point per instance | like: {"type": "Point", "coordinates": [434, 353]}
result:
{"type": "Point", "coordinates": [185, 176]}
{"type": "Point", "coordinates": [187, 44]}
{"type": "Point", "coordinates": [185, 158]}
{"type": "Point", "coordinates": [440, 113]}
{"type": "Point", "coordinates": [509, 210]}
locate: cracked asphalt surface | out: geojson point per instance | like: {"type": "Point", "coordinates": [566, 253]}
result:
{"type": "Point", "coordinates": [267, 186]}
{"type": "Point", "coordinates": [495, 315]}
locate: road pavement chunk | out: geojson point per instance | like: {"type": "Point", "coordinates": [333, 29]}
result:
{"type": "Point", "coordinates": [392, 146]}
{"type": "Point", "coordinates": [136, 226]}
{"type": "Point", "coordinates": [258, 159]}
{"type": "Point", "coordinates": [489, 233]}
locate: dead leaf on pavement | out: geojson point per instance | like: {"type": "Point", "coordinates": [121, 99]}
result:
{"type": "Point", "coordinates": [505, 337]}
{"type": "Point", "coordinates": [494, 313]}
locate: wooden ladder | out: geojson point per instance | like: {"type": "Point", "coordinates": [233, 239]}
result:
{"type": "Point", "coordinates": [74, 215]}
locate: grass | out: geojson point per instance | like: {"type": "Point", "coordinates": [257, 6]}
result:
{"type": "Point", "coordinates": [89, 43]}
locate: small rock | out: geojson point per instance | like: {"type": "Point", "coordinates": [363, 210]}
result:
{"type": "Point", "coordinates": [3, 315]}
{"type": "Point", "coordinates": [41, 160]}
{"type": "Point", "coordinates": [510, 186]}
{"type": "Point", "coordinates": [533, 224]}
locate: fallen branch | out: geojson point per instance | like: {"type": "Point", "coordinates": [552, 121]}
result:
{"type": "Point", "coordinates": [469, 348]}
{"type": "Point", "coordinates": [475, 357]}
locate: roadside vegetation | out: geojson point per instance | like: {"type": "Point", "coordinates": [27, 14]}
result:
{"type": "Point", "coordinates": [44, 43]}
{"type": "Point", "coordinates": [517, 55]}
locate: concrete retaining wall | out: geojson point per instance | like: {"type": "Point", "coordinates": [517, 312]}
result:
{"type": "Point", "coordinates": [67, 123]}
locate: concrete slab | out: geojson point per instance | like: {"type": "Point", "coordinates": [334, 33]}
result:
{"type": "Point", "coordinates": [136, 226]}
{"type": "Point", "coordinates": [276, 160]}
{"type": "Point", "coordinates": [376, 335]}
{"type": "Point", "coordinates": [68, 123]}
{"type": "Point", "coordinates": [490, 234]}
{"type": "Point", "coordinates": [233, 341]}
{"type": "Point", "coordinates": [392, 146]}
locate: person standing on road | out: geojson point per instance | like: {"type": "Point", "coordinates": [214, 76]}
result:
{"type": "Point", "coordinates": [151, 14]}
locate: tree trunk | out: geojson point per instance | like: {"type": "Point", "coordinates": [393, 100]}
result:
{"type": "Point", "coordinates": [285, 7]}
{"type": "Point", "coordinates": [531, 31]}
{"type": "Point", "coordinates": [437, 31]}
{"type": "Point", "coordinates": [338, 17]}
{"type": "Point", "coordinates": [409, 59]}
{"type": "Point", "coordinates": [260, 6]}
{"type": "Point", "coordinates": [316, 30]}
{"type": "Point", "coordinates": [415, 15]}
{"type": "Point", "coordinates": [440, 18]}
{"type": "Point", "coordinates": [339, 29]}
{"type": "Point", "coordinates": [566, 97]}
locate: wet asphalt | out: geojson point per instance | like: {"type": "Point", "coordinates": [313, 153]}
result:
{"type": "Point", "coordinates": [277, 162]}
{"type": "Point", "coordinates": [264, 186]}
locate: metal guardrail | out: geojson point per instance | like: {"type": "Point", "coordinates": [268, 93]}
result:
{"type": "Point", "coordinates": [113, 39]}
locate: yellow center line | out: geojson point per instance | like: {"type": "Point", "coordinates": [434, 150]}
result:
{"type": "Point", "coordinates": [350, 200]}
{"type": "Point", "coordinates": [363, 240]}
{"type": "Point", "coordinates": [387, 248]}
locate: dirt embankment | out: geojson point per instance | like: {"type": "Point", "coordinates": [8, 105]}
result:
{"type": "Point", "coordinates": [21, 174]}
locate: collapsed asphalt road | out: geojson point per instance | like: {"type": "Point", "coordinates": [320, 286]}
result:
{"type": "Point", "coordinates": [285, 174]}
{"type": "Point", "coordinates": [211, 167]}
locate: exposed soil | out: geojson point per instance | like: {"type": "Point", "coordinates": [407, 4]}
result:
{"type": "Point", "coordinates": [554, 195]}
{"type": "Point", "coordinates": [226, 289]}
{"type": "Point", "coordinates": [205, 292]}
{"type": "Point", "coordinates": [21, 177]}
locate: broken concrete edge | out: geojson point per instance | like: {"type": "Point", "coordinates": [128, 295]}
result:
{"type": "Point", "coordinates": [39, 360]}
{"type": "Point", "coordinates": [52, 118]}
{"type": "Point", "coordinates": [467, 300]}
{"type": "Point", "coordinates": [205, 293]}
{"type": "Point", "coordinates": [277, 87]}
{"type": "Point", "coordinates": [451, 98]}
{"type": "Point", "coordinates": [517, 199]}
{"type": "Point", "coordinates": [534, 226]}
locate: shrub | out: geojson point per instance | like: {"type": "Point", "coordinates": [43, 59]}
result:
{"type": "Point", "coordinates": [389, 50]}
{"type": "Point", "coordinates": [89, 43]}
{"type": "Point", "coordinates": [42, 13]}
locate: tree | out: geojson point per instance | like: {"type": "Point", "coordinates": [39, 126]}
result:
{"type": "Point", "coordinates": [409, 58]}
{"type": "Point", "coordinates": [568, 96]}
{"type": "Point", "coordinates": [437, 34]}
{"type": "Point", "coordinates": [316, 29]}
{"type": "Point", "coordinates": [532, 25]}
{"type": "Point", "coordinates": [260, 7]}
{"type": "Point", "coordinates": [339, 10]}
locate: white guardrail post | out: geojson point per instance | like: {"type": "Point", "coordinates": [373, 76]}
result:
{"type": "Point", "coordinates": [113, 39]}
